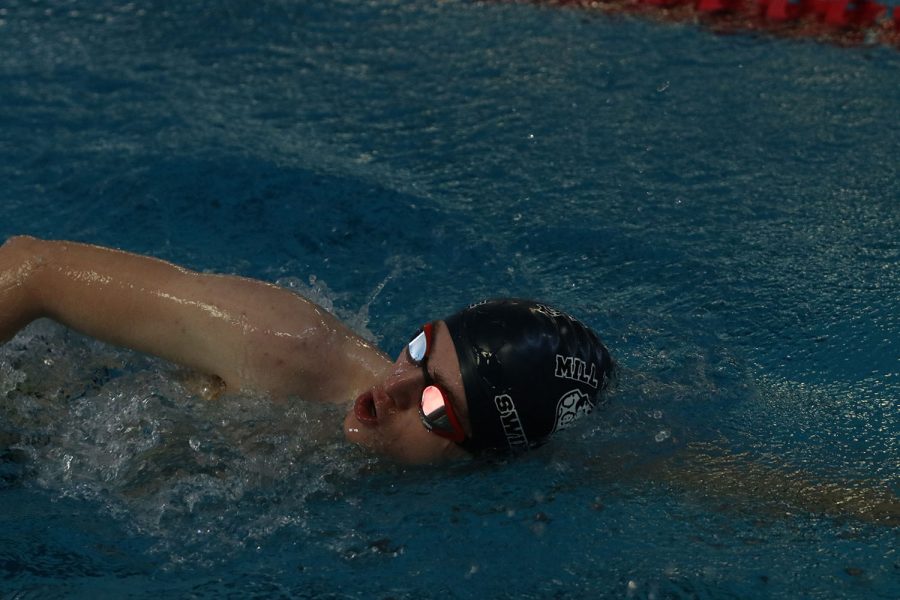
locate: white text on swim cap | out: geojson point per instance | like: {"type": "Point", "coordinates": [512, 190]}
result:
{"type": "Point", "coordinates": [509, 418]}
{"type": "Point", "coordinates": [569, 367]}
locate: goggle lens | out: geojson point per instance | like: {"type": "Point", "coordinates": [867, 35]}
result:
{"type": "Point", "coordinates": [435, 409]}
{"type": "Point", "coordinates": [418, 347]}
{"type": "Point", "coordinates": [433, 404]}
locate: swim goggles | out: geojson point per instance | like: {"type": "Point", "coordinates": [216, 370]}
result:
{"type": "Point", "coordinates": [435, 408]}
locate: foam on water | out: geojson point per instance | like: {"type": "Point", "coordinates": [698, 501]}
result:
{"type": "Point", "coordinates": [145, 440]}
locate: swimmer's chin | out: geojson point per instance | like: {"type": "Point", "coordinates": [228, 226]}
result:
{"type": "Point", "coordinates": [353, 430]}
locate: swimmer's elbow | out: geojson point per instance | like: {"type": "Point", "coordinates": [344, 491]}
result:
{"type": "Point", "coordinates": [20, 261]}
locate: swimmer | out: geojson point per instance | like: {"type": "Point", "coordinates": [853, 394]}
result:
{"type": "Point", "coordinates": [497, 377]}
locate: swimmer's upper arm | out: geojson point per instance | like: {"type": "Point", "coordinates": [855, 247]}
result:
{"type": "Point", "coordinates": [280, 342]}
{"type": "Point", "coordinates": [253, 335]}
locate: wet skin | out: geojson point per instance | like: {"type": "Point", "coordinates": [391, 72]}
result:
{"type": "Point", "coordinates": [385, 418]}
{"type": "Point", "coordinates": [253, 336]}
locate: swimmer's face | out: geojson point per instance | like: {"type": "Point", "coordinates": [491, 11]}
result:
{"type": "Point", "coordinates": [386, 417]}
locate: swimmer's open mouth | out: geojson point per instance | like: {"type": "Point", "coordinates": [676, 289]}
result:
{"type": "Point", "coordinates": [364, 408]}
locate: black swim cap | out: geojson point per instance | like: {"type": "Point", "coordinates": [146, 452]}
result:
{"type": "Point", "coordinates": [529, 370]}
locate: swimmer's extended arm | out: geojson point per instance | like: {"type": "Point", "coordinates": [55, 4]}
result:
{"type": "Point", "coordinates": [765, 486]}
{"type": "Point", "coordinates": [253, 335]}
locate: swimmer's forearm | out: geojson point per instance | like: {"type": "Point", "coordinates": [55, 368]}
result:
{"type": "Point", "coordinates": [251, 334]}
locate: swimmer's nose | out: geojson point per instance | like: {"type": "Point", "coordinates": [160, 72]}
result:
{"type": "Point", "coordinates": [405, 385]}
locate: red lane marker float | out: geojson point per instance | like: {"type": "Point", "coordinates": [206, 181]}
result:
{"type": "Point", "coordinates": [717, 6]}
{"type": "Point", "coordinates": [843, 22]}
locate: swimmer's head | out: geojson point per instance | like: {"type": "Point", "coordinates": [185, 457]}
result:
{"type": "Point", "coordinates": [528, 371]}
{"type": "Point", "coordinates": [499, 376]}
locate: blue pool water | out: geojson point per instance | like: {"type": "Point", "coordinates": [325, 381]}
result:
{"type": "Point", "coordinates": [724, 210]}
